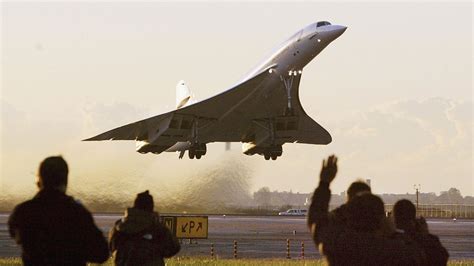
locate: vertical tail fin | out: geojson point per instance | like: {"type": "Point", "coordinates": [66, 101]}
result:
{"type": "Point", "coordinates": [183, 94]}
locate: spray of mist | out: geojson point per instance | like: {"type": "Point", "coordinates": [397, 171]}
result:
{"type": "Point", "coordinates": [213, 185]}
{"type": "Point", "coordinates": [226, 184]}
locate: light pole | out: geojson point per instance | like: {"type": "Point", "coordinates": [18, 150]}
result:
{"type": "Point", "coordinates": [417, 188]}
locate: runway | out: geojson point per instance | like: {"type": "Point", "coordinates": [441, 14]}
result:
{"type": "Point", "coordinates": [265, 237]}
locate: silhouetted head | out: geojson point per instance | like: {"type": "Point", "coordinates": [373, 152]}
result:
{"type": "Point", "coordinates": [53, 173]}
{"type": "Point", "coordinates": [366, 213]}
{"type": "Point", "coordinates": [144, 201]}
{"type": "Point", "coordinates": [404, 213]}
{"type": "Point", "coordinates": [357, 188]}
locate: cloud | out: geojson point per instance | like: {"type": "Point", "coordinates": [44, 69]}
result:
{"type": "Point", "coordinates": [436, 122]}
{"type": "Point", "coordinates": [101, 116]}
{"type": "Point", "coordinates": [396, 144]}
{"type": "Point", "coordinates": [426, 140]}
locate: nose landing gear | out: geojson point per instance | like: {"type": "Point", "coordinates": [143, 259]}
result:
{"type": "Point", "coordinates": [288, 83]}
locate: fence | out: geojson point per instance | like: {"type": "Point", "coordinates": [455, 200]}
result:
{"type": "Point", "coordinates": [289, 249]}
{"type": "Point", "coordinates": [426, 210]}
{"type": "Point", "coordinates": [442, 210]}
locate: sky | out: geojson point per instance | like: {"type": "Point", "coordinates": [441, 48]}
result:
{"type": "Point", "coordinates": [394, 91]}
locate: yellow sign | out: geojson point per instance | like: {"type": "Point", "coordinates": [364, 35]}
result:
{"type": "Point", "coordinates": [191, 227]}
{"type": "Point", "coordinates": [169, 222]}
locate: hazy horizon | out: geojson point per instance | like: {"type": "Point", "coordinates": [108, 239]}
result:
{"type": "Point", "coordinates": [394, 91]}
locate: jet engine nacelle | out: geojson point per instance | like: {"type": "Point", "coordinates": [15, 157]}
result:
{"type": "Point", "coordinates": [249, 148]}
{"type": "Point", "coordinates": [268, 152]}
{"type": "Point", "coordinates": [180, 146]}
{"type": "Point", "coordinates": [145, 147]}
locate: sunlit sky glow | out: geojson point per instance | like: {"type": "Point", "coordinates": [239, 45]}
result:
{"type": "Point", "coordinates": [394, 91]}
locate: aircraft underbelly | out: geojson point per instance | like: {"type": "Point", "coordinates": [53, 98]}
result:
{"type": "Point", "coordinates": [262, 116]}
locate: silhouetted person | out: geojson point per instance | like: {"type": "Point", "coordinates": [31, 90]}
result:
{"type": "Point", "coordinates": [404, 215]}
{"type": "Point", "coordinates": [52, 228]}
{"type": "Point", "coordinates": [139, 238]}
{"type": "Point", "coordinates": [362, 241]}
{"type": "Point", "coordinates": [339, 216]}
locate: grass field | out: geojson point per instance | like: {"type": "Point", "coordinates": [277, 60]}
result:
{"type": "Point", "coordinates": [232, 262]}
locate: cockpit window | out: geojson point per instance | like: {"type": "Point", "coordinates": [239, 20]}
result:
{"type": "Point", "coordinates": [322, 23]}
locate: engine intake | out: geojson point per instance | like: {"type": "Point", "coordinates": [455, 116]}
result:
{"type": "Point", "coordinates": [273, 151]}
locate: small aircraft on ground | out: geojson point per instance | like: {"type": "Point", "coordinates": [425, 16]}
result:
{"type": "Point", "coordinates": [263, 111]}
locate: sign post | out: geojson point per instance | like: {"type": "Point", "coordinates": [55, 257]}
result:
{"type": "Point", "coordinates": [188, 227]}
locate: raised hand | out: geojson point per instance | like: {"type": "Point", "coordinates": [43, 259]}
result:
{"type": "Point", "coordinates": [329, 169]}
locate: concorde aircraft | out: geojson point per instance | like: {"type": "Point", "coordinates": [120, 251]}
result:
{"type": "Point", "coordinates": [263, 111]}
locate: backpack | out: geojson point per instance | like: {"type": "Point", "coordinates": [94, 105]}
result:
{"type": "Point", "coordinates": [136, 249]}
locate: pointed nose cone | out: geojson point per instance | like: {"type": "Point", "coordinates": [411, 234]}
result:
{"type": "Point", "coordinates": [337, 31]}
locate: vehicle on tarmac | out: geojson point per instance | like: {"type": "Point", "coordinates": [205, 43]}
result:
{"type": "Point", "coordinates": [293, 212]}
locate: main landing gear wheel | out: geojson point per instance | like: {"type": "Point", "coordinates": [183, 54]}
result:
{"type": "Point", "coordinates": [273, 152]}
{"type": "Point", "coordinates": [197, 151]}
{"type": "Point", "coordinates": [191, 153]}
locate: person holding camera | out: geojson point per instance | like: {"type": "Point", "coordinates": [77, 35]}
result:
{"type": "Point", "coordinates": [404, 215]}
{"type": "Point", "coordinates": [139, 238]}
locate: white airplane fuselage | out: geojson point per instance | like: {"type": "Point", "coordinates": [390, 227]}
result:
{"type": "Point", "coordinates": [289, 59]}
{"type": "Point", "coordinates": [263, 111]}
{"type": "Point", "coordinates": [298, 50]}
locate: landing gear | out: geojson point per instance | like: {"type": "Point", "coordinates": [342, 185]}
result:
{"type": "Point", "coordinates": [288, 82]}
{"type": "Point", "coordinates": [273, 152]}
{"type": "Point", "coordinates": [197, 150]}
{"type": "Point", "coordinates": [288, 112]}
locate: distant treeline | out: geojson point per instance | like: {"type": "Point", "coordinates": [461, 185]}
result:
{"type": "Point", "coordinates": [265, 197]}
{"type": "Point", "coordinates": [263, 202]}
